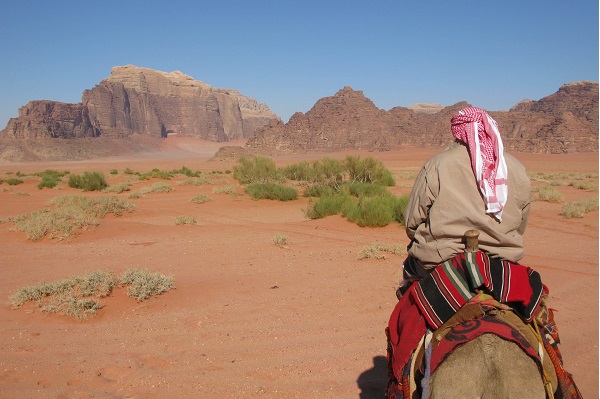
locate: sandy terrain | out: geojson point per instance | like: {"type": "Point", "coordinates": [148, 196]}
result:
{"type": "Point", "coordinates": [248, 318]}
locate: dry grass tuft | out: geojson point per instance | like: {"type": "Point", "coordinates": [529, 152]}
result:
{"type": "Point", "coordinates": [577, 209]}
{"type": "Point", "coordinates": [378, 251]}
{"type": "Point", "coordinates": [79, 296]}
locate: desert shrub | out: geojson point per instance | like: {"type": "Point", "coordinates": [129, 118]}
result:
{"type": "Point", "coordinates": [368, 170]}
{"type": "Point", "coordinates": [299, 171]}
{"type": "Point", "coordinates": [184, 170]}
{"type": "Point", "coordinates": [371, 211]}
{"type": "Point", "coordinates": [200, 199]}
{"type": "Point", "coordinates": [378, 210]}
{"type": "Point", "coordinates": [117, 188]}
{"type": "Point", "coordinates": [48, 181]}
{"type": "Point", "coordinates": [279, 239]}
{"type": "Point", "coordinates": [547, 193]}
{"type": "Point", "coordinates": [230, 189]}
{"type": "Point", "coordinates": [20, 193]}
{"type": "Point", "coordinates": [70, 214]}
{"type": "Point", "coordinates": [156, 174]}
{"type": "Point", "coordinates": [585, 185]}
{"type": "Point", "coordinates": [271, 191]}
{"type": "Point", "coordinates": [144, 284]}
{"type": "Point", "coordinates": [79, 296]}
{"type": "Point", "coordinates": [96, 207]}
{"type": "Point", "coordinates": [52, 173]}
{"type": "Point", "coordinates": [327, 205]}
{"type": "Point", "coordinates": [13, 182]}
{"type": "Point", "coordinates": [360, 189]}
{"type": "Point", "coordinates": [114, 172]}
{"type": "Point", "coordinates": [256, 170]}
{"type": "Point", "coordinates": [89, 181]}
{"type": "Point", "coordinates": [158, 187]}
{"type": "Point", "coordinates": [59, 223]}
{"type": "Point", "coordinates": [196, 181]}
{"type": "Point", "coordinates": [318, 190]}
{"type": "Point", "coordinates": [129, 171]}
{"type": "Point", "coordinates": [183, 220]}
{"type": "Point", "coordinates": [577, 209]}
{"type": "Point", "coordinates": [378, 251]}
{"type": "Point", "coordinates": [329, 172]}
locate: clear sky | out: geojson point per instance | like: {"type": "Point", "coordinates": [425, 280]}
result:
{"type": "Point", "coordinates": [289, 54]}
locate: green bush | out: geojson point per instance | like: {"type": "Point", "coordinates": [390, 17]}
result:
{"type": "Point", "coordinates": [271, 191]}
{"type": "Point", "coordinates": [328, 171]}
{"type": "Point", "coordinates": [184, 170]}
{"type": "Point", "coordinates": [256, 170]}
{"type": "Point", "coordinates": [375, 211]}
{"type": "Point", "coordinates": [368, 170]}
{"type": "Point", "coordinates": [360, 189]}
{"type": "Point", "coordinates": [319, 190]}
{"type": "Point", "coordinates": [327, 205]}
{"type": "Point", "coordinates": [156, 174]}
{"type": "Point", "coordinates": [52, 173]}
{"type": "Point", "coordinates": [378, 210]}
{"type": "Point", "coordinates": [13, 182]}
{"type": "Point", "coordinates": [89, 181]}
{"type": "Point", "coordinates": [301, 171]}
{"type": "Point", "coordinates": [48, 181]}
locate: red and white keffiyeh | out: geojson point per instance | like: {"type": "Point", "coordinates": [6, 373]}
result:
{"type": "Point", "coordinates": [474, 127]}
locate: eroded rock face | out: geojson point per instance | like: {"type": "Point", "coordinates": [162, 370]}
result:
{"type": "Point", "coordinates": [566, 121]}
{"type": "Point", "coordinates": [144, 101]}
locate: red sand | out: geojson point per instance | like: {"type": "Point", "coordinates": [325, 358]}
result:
{"type": "Point", "coordinates": [248, 318]}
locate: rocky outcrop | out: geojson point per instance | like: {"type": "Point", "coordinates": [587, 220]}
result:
{"type": "Point", "coordinates": [566, 121]}
{"type": "Point", "coordinates": [135, 100]}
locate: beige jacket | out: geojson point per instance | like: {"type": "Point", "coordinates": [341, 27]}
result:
{"type": "Point", "coordinates": [445, 202]}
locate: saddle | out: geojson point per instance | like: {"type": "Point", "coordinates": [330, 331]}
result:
{"type": "Point", "coordinates": [461, 300]}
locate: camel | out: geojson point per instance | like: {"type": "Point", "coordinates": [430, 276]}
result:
{"type": "Point", "coordinates": [488, 367]}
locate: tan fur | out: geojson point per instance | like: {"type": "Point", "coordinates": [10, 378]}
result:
{"type": "Point", "coordinates": [487, 368]}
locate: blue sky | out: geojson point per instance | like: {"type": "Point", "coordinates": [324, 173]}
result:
{"type": "Point", "coordinates": [289, 54]}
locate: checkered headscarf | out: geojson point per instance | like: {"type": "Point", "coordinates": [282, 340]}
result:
{"type": "Point", "coordinates": [474, 127]}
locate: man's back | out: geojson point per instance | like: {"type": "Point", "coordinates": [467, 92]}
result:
{"type": "Point", "coordinates": [446, 202]}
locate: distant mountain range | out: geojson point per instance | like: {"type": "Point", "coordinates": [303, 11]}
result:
{"type": "Point", "coordinates": [137, 103]}
{"type": "Point", "coordinates": [566, 121]}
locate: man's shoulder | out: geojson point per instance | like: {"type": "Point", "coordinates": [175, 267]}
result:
{"type": "Point", "coordinates": [453, 153]}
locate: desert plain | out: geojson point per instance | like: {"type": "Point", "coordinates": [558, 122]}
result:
{"type": "Point", "coordinates": [249, 318]}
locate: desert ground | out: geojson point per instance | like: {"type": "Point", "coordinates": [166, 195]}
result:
{"type": "Point", "coordinates": [249, 318]}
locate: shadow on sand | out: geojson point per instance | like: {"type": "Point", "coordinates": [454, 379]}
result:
{"type": "Point", "coordinates": [373, 382]}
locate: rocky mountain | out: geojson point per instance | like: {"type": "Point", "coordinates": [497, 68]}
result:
{"type": "Point", "coordinates": [134, 100]}
{"type": "Point", "coordinates": [566, 121]}
{"type": "Point", "coordinates": [137, 107]}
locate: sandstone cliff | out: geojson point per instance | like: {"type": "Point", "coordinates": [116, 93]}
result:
{"type": "Point", "coordinates": [135, 100]}
{"type": "Point", "coordinates": [566, 121]}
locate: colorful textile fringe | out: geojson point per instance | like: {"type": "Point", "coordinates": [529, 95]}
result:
{"type": "Point", "coordinates": [453, 283]}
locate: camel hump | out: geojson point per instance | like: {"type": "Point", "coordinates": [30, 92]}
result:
{"type": "Point", "coordinates": [471, 241]}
